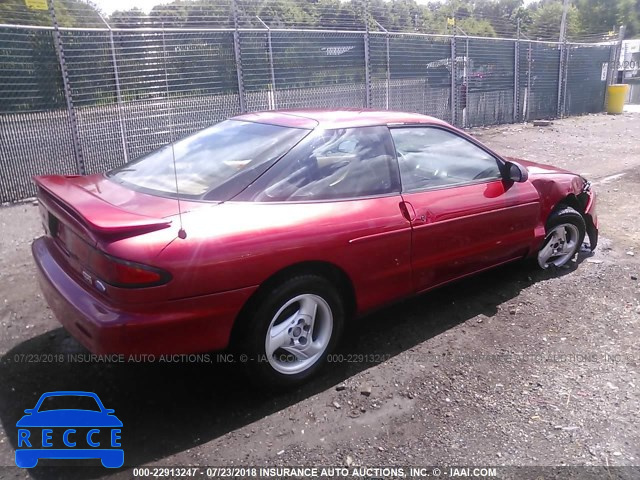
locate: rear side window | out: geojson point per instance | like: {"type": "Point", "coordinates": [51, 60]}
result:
{"type": "Point", "coordinates": [331, 164]}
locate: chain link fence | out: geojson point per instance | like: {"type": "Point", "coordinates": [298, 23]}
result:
{"type": "Point", "coordinates": [83, 100]}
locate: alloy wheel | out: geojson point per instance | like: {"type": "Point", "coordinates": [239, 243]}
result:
{"type": "Point", "coordinates": [560, 245]}
{"type": "Point", "coordinates": [298, 334]}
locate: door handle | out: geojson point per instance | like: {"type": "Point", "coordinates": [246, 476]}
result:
{"type": "Point", "coordinates": [408, 211]}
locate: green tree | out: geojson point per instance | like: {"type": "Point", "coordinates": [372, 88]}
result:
{"type": "Point", "coordinates": [465, 18]}
{"type": "Point", "coordinates": [501, 14]}
{"type": "Point", "coordinates": [128, 18]}
{"type": "Point", "coordinates": [69, 13]}
{"type": "Point", "coordinates": [546, 19]}
{"type": "Point", "coordinates": [172, 14]}
{"type": "Point", "coordinates": [597, 16]}
{"type": "Point", "coordinates": [477, 26]}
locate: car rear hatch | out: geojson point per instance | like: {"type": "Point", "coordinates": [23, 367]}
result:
{"type": "Point", "coordinates": [79, 218]}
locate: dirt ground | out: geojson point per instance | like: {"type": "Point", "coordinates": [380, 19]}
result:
{"type": "Point", "coordinates": [513, 367]}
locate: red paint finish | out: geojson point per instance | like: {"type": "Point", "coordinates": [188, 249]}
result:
{"type": "Point", "coordinates": [175, 326]}
{"type": "Point", "coordinates": [369, 239]}
{"type": "Point", "coordinates": [389, 247]}
{"type": "Point", "coordinates": [482, 225]}
{"type": "Point", "coordinates": [91, 207]}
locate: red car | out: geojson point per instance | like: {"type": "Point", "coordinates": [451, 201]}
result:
{"type": "Point", "coordinates": [266, 232]}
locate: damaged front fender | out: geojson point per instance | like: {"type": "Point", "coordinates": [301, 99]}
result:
{"type": "Point", "coordinates": [592, 231]}
{"type": "Point", "coordinates": [558, 188]}
{"type": "Point", "coordinates": [588, 199]}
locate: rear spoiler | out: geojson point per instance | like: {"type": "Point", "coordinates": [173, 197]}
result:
{"type": "Point", "coordinates": [99, 216]}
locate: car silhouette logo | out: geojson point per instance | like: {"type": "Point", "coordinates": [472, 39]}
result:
{"type": "Point", "coordinates": [91, 431]}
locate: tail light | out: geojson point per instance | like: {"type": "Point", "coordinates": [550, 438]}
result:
{"type": "Point", "coordinates": [125, 274]}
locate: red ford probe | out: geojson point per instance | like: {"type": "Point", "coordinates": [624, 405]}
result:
{"type": "Point", "coordinates": [288, 223]}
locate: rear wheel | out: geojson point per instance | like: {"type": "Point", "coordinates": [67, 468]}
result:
{"type": "Point", "coordinates": [293, 329]}
{"type": "Point", "coordinates": [565, 234]}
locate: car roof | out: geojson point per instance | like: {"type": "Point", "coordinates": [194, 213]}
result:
{"type": "Point", "coordinates": [337, 118]}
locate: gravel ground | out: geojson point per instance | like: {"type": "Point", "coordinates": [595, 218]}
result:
{"type": "Point", "coordinates": [513, 367]}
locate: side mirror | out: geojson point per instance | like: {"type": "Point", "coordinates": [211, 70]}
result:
{"type": "Point", "coordinates": [109, 411]}
{"type": "Point", "coordinates": [516, 172]}
{"type": "Point", "coordinates": [29, 411]}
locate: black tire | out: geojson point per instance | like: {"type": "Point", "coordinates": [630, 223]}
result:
{"type": "Point", "coordinates": [566, 215]}
{"type": "Point", "coordinates": [258, 319]}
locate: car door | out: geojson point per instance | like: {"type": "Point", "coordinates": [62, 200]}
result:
{"type": "Point", "coordinates": [343, 186]}
{"type": "Point", "coordinates": [464, 216]}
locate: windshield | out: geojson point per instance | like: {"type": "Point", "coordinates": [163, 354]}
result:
{"type": "Point", "coordinates": [214, 164]}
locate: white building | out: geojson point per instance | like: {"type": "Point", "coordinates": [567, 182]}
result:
{"type": "Point", "coordinates": [629, 62]}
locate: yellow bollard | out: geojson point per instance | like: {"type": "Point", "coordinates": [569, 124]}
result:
{"type": "Point", "coordinates": [615, 99]}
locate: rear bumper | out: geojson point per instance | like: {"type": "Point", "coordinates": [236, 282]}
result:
{"type": "Point", "coordinates": [190, 325]}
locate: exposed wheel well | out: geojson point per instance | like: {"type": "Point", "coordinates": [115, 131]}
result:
{"type": "Point", "coordinates": [331, 272]}
{"type": "Point", "coordinates": [577, 202]}
{"type": "Point", "coordinates": [570, 201]}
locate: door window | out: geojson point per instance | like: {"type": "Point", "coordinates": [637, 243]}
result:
{"type": "Point", "coordinates": [432, 157]}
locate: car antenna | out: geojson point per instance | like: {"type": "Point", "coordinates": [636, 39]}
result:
{"type": "Point", "coordinates": [181, 232]}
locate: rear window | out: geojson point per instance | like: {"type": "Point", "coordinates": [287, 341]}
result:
{"type": "Point", "coordinates": [214, 164]}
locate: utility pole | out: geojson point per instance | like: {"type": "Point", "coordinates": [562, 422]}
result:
{"type": "Point", "coordinates": [562, 47]}
{"type": "Point", "coordinates": [563, 23]}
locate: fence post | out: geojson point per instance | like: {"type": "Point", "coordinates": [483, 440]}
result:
{"type": "Point", "coordinates": [465, 81]}
{"type": "Point", "coordinates": [454, 112]}
{"type": "Point", "coordinates": [516, 76]}
{"type": "Point", "coordinates": [388, 65]}
{"type": "Point", "coordinates": [561, 69]}
{"type": "Point", "coordinates": [116, 76]}
{"type": "Point", "coordinates": [238, 56]}
{"type": "Point", "coordinates": [563, 47]}
{"type": "Point", "coordinates": [77, 150]}
{"type": "Point", "coordinates": [566, 78]}
{"type": "Point", "coordinates": [271, 68]}
{"type": "Point", "coordinates": [612, 68]}
{"type": "Point", "coordinates": [614, 56]}
{"type": "Point", "coordinates": [527, 105]}
{"type": "Point", "coordinates": [388, 69]}
{"type": "Point", "coordinates": [367, 65]}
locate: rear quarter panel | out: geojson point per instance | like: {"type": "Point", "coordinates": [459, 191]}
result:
{"type": "Point", "coordinates": [237, 245]}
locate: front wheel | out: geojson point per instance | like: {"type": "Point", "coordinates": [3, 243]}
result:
{"type": "Point", "coordinates": [565, 234]}
{"type": "Point", "coordinates": [293, 329]}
